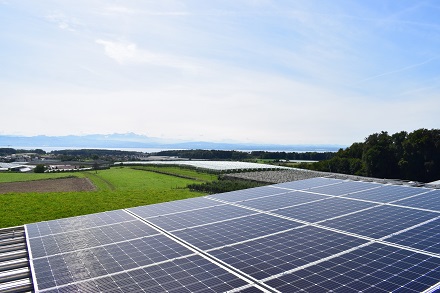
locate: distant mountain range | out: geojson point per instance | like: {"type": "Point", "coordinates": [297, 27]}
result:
{"type": "Point", "coordinates": [132, 140]}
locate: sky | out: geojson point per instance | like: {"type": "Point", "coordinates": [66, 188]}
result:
{"type": "Point", "coordinates": [252, 71]}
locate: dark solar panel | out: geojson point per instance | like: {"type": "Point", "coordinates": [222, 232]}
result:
{"type": "Point", "coordinates": [183, 275]}
{"type": "Point", "coordinates": [430, 201]}
{"type": "Point", "coordinates": [380, 221]}
{"type": "Point", "coordinates": [374, 268]}
{"type": "Point", "coordinates": [84, 264]}
{"type": "Point", "coordinates": [279, 253]}
{"type": "Point", "coordinates": [77, 223]}
{"type": "Point", "coordinates": [345, 187]}
{"type": "Point", "coordinates": [233, 231]}
{"type": "Point", "coordinates": [172, 207]}
{"type": "Point", "coordinates": [425, 237]}
{"type": "Point", "coordinates": [309, 183]}
{"type": "Point", "coordinates": [245, 194]}
{"type": "Point", "coordinates": [88, 238]}
{"type": "Point", "coordinates": [199, 217]}
{"type": "Point", "coordinates": [288, 240]}
{"type": "Point", "coordinates": [324, 209]}
{"type": "Point", "coordinates": [386, 193]}
{"type": "Point", "coordinates": [281, 201]}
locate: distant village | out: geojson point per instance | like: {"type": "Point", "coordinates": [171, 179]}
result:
{"type": "Point", "coordinates": [63, 161]}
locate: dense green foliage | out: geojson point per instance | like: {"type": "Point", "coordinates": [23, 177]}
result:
{"type": "Point", "coordinates": [241, 156]}
{"type": "Point", "coordinates": [11, 151]}
{"type": "Point", "coordinates": [93, 154]}
{"type": "Point", "coordinates": [224, 185]}
{"type": "Point", "coordinates": [410, 156]}
{"type": "Point", "coordinates": [40, 168]}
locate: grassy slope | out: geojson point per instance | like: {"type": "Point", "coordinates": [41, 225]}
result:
{"type": "Point", "coordinates": [118, 188]}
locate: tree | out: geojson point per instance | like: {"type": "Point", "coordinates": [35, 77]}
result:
{"type": "Point", "coordinates": [40, 168]}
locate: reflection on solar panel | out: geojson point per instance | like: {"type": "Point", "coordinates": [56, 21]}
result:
{"type": "Point", "coordinates": [314, 235]}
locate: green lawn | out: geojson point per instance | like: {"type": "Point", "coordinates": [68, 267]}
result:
{"type": "Point", "coordinates": [180, 171]}
{"type": "Point", "coordinates": [17, 177]}
{"type": "Point", "coordinates": [118, 187]}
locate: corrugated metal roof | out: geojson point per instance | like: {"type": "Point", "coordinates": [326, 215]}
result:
{"type": "Point", "coordinates": [15, 273]}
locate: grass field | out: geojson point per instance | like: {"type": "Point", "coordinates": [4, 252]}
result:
{"type": "Point", "coordinates": [17, 177]}
{"type": "Point", "coordinates": [119, 187]}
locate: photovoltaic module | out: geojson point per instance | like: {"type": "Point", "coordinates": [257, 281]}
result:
{"type": "Point", "coordinates": [314, 235]}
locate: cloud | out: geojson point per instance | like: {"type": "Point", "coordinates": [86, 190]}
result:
{"type": "Point", "coordinates": [409, 67]}
{"type": "Point", "coordinates": [128, 53]}
{"type": "Point", "coordinates": [121, 52]}
{"type": "Point", "coordinates": [63, 22]}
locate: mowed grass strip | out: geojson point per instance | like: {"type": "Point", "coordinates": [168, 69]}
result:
{"type": "Point", "coordinates": [190, 173]}
{"type": "Point", "coordinates": [20, 177]}
{"type": "Point", "coordinates": [130, 188]}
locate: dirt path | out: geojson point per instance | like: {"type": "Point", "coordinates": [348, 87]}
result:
{"type": "Point", "coordinates": [50, 185]}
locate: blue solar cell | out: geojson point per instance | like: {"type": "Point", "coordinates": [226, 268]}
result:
{"type": "Point", "coordinates": [191, 274]}
{"type": "Point", "coordinates": [248, 232]}
{"type": "Point", "coordinates": [77, 223]}
{"type": "Point", "coordinates": [278, 253]}
{"type": "Point", "coordinates": [380, 221]}
{"type": "Point", "coordinates": [232, 231]}
{"type": "Point", "coordinates": [430, 201]}
{"type": "Point", "coordinates": [386, 193]}
{"type": "Point", "coordinates": [172, 207]}
{"type": "Point", "coordinates": [282, 200]}
{"type": "Point", "coordinates": [344, 187]}
{"type": "Point", "coordinates": [245, 194]}
{"type": "Point", "coordinates": [425, 237]}
{"type": "Point", "coordinates": [88, 238]}
{"type": "Point", "coordinates": [81, 265]}
{"type": "Point", "coordinates": [373, 268]}
{"type": "Point", "coordinates": [324, 209]}
{"type": "Point", "coordinates": [308, 183]}
{"type": "Point", "coordinates": [199, 217]}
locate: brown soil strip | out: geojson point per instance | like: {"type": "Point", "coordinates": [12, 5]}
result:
{"type": "Point", "coordinates": [50, 185]}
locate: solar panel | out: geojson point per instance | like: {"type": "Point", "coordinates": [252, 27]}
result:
{"type": "Point", "coordinates": [77, 223]}
{"type": "Point", "coordinates": [386, 193]}
{"type": "Point", "coordinates": [199, 217]}
{"type": "Point", "coordinates": [309, 183]}
{"type": "Point", "coordinates": [313, 235]}
{"type": "Point", "coordinates": [284, 200]}
{"type": "Point", "coordinates": [324, 209]}
{"type": "Point", "coordinates": [282, 252]}
{"type": "Point", "coordinates": [380, 221]}
{"type": "Point", "coordinates": [172, 207]}
{"type": "Point", "coordinates": [425, 237]}
{"type": "Point", "coordinates": [429, 200]}
{"type": "Point", "coordinates": [344, 187]}
{"type": "Point", "coordinates": [373, 268]}
{"type": "Point", "coordinates": [233, 231]}
{"type": "Point", "coordinates": [246, 194]}
{"type": "Point", "coordinates": [88, 238]}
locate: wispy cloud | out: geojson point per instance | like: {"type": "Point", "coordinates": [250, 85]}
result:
{"type": "Point", "coordinates": [406, 68]}
{"type": "Point", "coordinates": [130, 53]}
{"type": "Point", "coordinates": [63, 21]}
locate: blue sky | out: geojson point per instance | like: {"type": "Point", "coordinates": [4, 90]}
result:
{"type": "Point", "coordinates": [281, 72]}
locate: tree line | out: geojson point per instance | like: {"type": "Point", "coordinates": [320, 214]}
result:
{"type": "Point", "coordinates": [409, 156]}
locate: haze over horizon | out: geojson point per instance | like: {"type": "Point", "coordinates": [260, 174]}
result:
{"type": "Point", "coordinates": [252, 71]}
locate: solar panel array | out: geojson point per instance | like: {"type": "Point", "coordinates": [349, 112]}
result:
{"type": "Point", "coordinates": [313, 235]}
